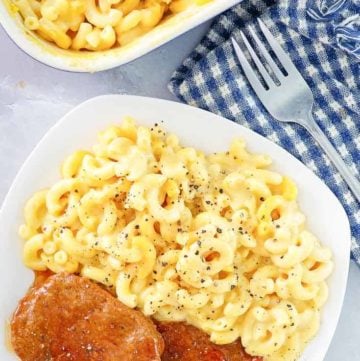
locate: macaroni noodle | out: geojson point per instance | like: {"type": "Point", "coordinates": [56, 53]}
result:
{"type": "Point", "coordinates": [96, 25]}
{"type": "Point", "coordinates": [217, 241]}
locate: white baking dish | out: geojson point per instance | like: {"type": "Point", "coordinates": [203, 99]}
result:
{"type": "Point", "coordinates": [69, 60]}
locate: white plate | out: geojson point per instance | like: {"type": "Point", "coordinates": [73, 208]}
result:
{"type": "Point", "coordinates": [195, 127]}
{"type": "Point", "coordinates": [52, 55]}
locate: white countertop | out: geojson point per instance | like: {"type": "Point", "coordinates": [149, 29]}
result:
{"type": "Point", "coordinates": [33, 97]}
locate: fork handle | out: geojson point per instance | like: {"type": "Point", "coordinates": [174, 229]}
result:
{"type": "Point", "coordinates": [348, 176]}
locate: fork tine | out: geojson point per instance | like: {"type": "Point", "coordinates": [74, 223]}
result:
{"type": "Point", "coordinates": [266, 54]}
{"type": "Point", "coordinates": [278, 50]}
{"type": "Point", "coordinates": [264, 73]}
{"type": "Point", "coordinates": [249, 72]}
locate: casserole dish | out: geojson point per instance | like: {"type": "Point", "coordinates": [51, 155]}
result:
{"type": "Point", "coordinates": [85, 61]}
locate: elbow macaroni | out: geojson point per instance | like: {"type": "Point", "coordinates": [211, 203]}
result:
{"type": "Point", "coordinates": [96, 25]}
{"type": "Point", "coordinates": [217, 241]}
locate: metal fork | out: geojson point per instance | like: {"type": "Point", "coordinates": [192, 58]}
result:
{"type": "Point", "coordinates": [289, 99]}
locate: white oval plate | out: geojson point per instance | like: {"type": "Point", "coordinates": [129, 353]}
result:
{"type": "Point", "coordinates": [195, 127]}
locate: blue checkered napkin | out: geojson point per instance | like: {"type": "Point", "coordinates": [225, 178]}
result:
{"type": "Point", "coordinates": [323, 40]}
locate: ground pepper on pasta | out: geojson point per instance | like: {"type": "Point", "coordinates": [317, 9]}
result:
{"type": "Point", "coordinates": [217, 241]}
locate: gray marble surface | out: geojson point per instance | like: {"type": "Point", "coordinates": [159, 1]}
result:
{"type": "Point", "coordinates": [33, 97]}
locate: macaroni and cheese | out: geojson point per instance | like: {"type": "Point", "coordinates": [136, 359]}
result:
{"type": "Point", "coordinates": [96, 25]}
{"type": "Point", "coordinates": [217, 240]}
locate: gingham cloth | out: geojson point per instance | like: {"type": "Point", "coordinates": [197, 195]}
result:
{"type": "Point", "coordinates": [323, 40]}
